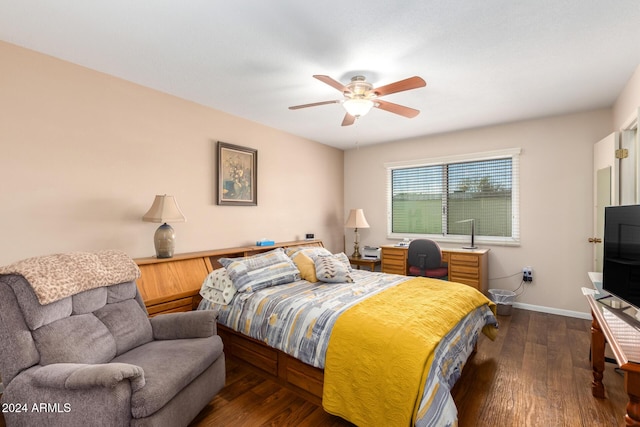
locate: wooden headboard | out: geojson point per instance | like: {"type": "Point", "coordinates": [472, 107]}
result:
{"type": "Point", "coordinates": [169, 285]}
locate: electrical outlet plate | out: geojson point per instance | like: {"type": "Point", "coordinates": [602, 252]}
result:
{"type": "Point", "coordinates": [527, 274]}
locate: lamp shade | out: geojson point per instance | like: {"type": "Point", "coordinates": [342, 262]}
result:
{"type": "Point", "coordinates": [356, 219]}
{"type": "Point", "coordinates": [164, 209]}
{"type": "Point", "coordinates": [358, 107]}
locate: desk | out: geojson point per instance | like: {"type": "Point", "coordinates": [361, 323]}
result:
{"type": "Point", "coordinates": [365, 262]}
{"type": "Point", "coordinates": [468, 266]}
{"type": "Point", "coordinates": [625, 344]}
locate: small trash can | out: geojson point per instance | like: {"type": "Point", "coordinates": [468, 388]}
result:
{"type": "Point", "coordinates": [503, 299]}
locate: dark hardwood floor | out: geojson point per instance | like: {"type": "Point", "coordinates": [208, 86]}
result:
{"type": "Point", "coordinates": [536, 373]}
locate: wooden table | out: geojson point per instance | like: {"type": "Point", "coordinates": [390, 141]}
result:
{"type": "Point", "coordinates": [624, 340]}
{"type": "Point", "coordinates": [365, 262]}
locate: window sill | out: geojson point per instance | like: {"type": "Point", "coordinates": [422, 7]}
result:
{"type": "Point", "coordinates": [459, 240]}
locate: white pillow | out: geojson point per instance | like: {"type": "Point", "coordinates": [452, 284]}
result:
{"type": "Point", "coordinates": [218, 287]}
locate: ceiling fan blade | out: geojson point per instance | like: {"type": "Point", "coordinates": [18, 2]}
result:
{"type": "Point", "coordinates": [348, 120]}
{"type": "Point", "coordinates": [396, 108]}
{"type": "Point", "coordinates": [399, 86]}
{"type": "Point", "coordinates": [314, 104]}
{"type": "Point", "coordinates": [331, 82]}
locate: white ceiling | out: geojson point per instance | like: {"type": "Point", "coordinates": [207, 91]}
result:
{"type": "Point", "coordinates": [485, 62]}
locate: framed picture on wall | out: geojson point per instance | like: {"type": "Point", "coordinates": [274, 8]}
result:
{"type": "Point", "coordinates": [237, 175]}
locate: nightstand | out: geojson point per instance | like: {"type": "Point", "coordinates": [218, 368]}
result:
{"type": "Point", "coordinates": [365, 262]}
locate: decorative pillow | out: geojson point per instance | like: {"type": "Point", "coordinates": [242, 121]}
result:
{"type": "Point", "coordinates": [311, 251]}
{"type": "Point", "coordinates": [332, 269]}
{"type": "Point", "coordinates": [261, 271]}
{"type": "Point", "coordinates": [344, 258]}
{"type": "Point", "coordinates": [306, 266]}
{"type": "Point", "coordinates": [218, 287]}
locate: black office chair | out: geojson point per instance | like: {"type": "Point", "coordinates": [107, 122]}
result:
{"type": "Point", "coordinates": [425, 259]}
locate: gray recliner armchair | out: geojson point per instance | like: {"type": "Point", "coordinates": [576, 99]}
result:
{"type": "Point", "coordinates": [95, 358]}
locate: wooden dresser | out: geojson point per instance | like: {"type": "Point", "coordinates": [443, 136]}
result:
{"type": "Point", "coordinates": [468, 266]}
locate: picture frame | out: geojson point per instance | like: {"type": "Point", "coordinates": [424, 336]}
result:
{"type": "Point", "coordinates": [237, 175]}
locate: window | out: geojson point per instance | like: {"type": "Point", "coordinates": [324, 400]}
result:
{"type": "Point", "coordinates": [435, 197]}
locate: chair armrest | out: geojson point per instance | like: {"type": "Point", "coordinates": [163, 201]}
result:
{"type": "Point", "coordinates": [190, 324]}
{"type": "Point", "coordinates": [77, 376]}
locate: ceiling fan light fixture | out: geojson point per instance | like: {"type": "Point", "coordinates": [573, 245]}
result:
{"type": "Point", "coordinates": [360, 97]}
{"type": "Point", "coordinates": [358, 107]}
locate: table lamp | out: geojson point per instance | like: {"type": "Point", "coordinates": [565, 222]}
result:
{"type": "Point", "coordinates": [164, 209]}
{"type": "Point", "coordinates": [473, 233]}
{"type": "Point", "coordinates": [356, 220]}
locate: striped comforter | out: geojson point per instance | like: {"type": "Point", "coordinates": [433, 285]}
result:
{"type": "Point", "coordinates": [297, 318]}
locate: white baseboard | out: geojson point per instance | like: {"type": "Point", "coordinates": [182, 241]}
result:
{"type": "Point", "coordinates": [550, 310]}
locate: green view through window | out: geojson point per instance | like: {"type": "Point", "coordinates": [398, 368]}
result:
{"type": "Point", "coordinates": [434, 197]}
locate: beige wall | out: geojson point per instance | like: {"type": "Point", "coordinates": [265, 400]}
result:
{"type": "Point", "coordinates": [556, 198]}
{"type": "Point", "coordinates": [83, 155]}
{"type": "Point", "coordinates": [627, 105]}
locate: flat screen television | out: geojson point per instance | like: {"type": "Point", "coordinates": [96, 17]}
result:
{"type": "Point", "coordinates": [621, 266]}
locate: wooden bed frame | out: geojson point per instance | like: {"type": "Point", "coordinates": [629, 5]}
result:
{"type": "Point", "coordinates": [170, 285]}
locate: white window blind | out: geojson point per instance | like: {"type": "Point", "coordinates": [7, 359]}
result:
{"type": "Point", "coordinates": [435, 197]}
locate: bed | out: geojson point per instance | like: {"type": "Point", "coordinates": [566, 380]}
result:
{"type": "Point", "coordinates": [374, 347]}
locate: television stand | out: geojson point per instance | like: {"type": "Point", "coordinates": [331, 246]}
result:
{"type": "Point", "coordinates": [607, 327]}
{"type": "Point", "coordinates": [624, 311]}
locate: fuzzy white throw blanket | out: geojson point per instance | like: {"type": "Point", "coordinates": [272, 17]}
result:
{"type": "Point", "coordinates": [54, 277]}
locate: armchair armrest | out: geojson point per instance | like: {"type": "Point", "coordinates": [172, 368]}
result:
{"type": "Point", "coordinates": [190, 324]}
{"type": "Point", "coordinates": [77, 376]}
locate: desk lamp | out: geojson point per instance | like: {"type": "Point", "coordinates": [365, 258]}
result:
{"type": "Point", "coordinates": [473, 233]}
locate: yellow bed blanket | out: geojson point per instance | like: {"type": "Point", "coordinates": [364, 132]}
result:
{"type": "Point", "coordinates": [381, 349]}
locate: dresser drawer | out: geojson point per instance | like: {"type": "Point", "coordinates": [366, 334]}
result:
{"type": "Point", "coordinates": [394, 253]}
{"type": "Point", "coordinates": [470, 260]}
{"type": "Point", "coordinates": [465, 269]}
{"type": "Point", "coordinates": [393, 270]}
{"type": "Point", "coordinates": [468, 269]}
{"type": "Point", "coordinates": [249, 350]}
{"type": "Point", "coordinates": [393, 267]}
{"type": "Point", "coordinates": [394, 260]}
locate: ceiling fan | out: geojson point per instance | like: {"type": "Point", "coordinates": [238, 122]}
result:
{"type": "Point", "coordinates": [360, 96]}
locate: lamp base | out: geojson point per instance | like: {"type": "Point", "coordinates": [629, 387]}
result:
{"type": "Point", "coordinates": [356, 251]}
{"type": "Point", "coordinates": [164, 241]}
{"type": "Point", "coordinates": [356, 245]}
